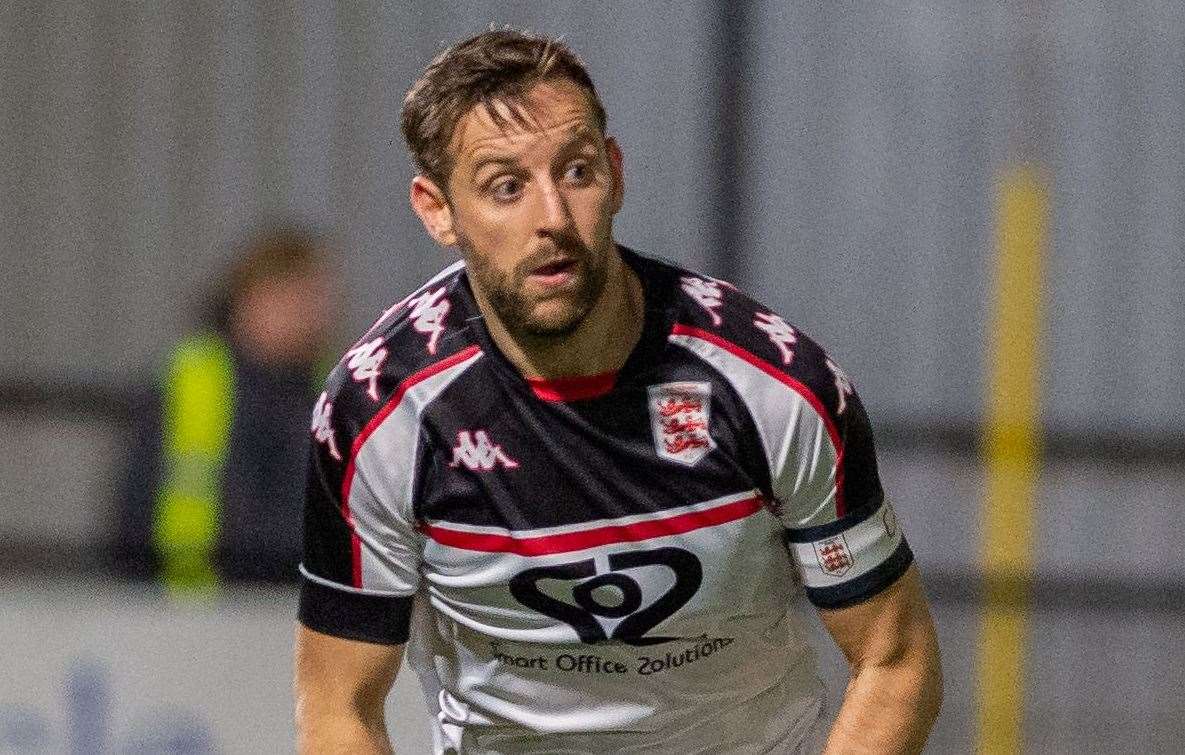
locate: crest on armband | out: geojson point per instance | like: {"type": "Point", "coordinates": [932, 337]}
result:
{"type": "Point", "coordinates": [835, 559]}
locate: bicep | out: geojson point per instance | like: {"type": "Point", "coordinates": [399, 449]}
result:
{"type": "Point", "coordinates": [340, 676]}
{"type": "Point", "coordinates": [891, 627]}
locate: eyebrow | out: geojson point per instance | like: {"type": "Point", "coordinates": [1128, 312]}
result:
{"type": "Point", "coordinates": [486, 161]}
{"type": "Point", "coordinates": [580, 137]}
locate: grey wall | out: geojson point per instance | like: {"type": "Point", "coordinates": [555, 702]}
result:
{"type": "Point", "coordinates": [873, 159]}
{"type": "Point", "coordinates": [148, 137]}
{"type": "Point", "coordinates": [143, 139]}
{"type": "Point", "coordinates": [1117, 151]}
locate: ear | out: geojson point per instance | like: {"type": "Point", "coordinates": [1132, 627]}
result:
{"type": "Point", "coordinates": [432, 207]}
{"type": "Point", "coordinates": [615, 166]}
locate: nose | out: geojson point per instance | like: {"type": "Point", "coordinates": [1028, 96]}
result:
{"type": "Point", "coordinates": [555, 216]}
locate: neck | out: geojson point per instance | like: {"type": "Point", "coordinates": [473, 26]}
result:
{"type": "Point", "coordinates": [601, 343]}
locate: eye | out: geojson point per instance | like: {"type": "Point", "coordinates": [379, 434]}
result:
{"type": "Point", "coordinates": [505, 189]}
{"type": "Point", "coordinates": [578, 172]}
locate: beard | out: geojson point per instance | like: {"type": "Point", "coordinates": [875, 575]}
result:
{"type": "Point", "coordinates": [541, 316]}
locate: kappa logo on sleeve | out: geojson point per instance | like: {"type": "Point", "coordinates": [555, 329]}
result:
{"type": "Point", "coordinates": [779, 331]}
{"type": "Point", "coordinates": [707, 293]}
{"type": "Point", "coordinates": [834, 557]}
{"type": "Point", "coordinates": [428, 311]}
{"type": "Point", "coordinates": [366, 364]}
{"type": "Point", "coordinates": [843, 385]}
{"type": "Point", "coordinates": [322, 426]}
{"type": "Point", "coordinates": [478, 453]}
{"type": "Point", "coordinates": [679, 417]}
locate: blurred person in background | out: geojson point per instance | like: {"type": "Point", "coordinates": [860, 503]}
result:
{"type": "Point", "coordinates": [214, 479]}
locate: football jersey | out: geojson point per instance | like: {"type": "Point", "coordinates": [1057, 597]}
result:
{"type": "Point", "coordinates": [606, 563]}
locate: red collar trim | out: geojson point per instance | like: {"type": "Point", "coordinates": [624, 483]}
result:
{"type": "Point", "coordinates": [575, 388]}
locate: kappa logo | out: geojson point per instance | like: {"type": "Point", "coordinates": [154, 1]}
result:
{"type": "Point", "coordinates": [834, 557]}
{"type": "Point", "coordinates": [366, 364]}
{"type": "Point", "coordinates": [780, 332]}
{"type": "Point", "coordinates": [707, 293]}
{"type": "Point", "coordinates": [478, 453]}
{"type": "Point", "coordinates": [679, 417]}
{"type": "Point", "coordinates": [322, 426]}
{"type": "Point", "coordinates": [428, 311]}
{"type": "Point", "coordinates": [614, 594]}
{"type": "Point", "coordinates": [843, 385]}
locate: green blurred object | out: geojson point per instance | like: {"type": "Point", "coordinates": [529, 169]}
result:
{"type": "Point", "coordinates": [199, 407]}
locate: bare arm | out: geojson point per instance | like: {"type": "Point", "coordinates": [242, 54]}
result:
{"type": "Point", "coordinates": [341, 688]}
{"type": "Point", "coordinates": [895, 688]}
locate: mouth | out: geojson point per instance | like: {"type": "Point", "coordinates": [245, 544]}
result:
{"type": "Point", "coordinates": [557, 272]}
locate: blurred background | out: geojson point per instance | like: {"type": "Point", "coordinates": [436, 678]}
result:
{"type": "Point", "coordinates": [979, 208]}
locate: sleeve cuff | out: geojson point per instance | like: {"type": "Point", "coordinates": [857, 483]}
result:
{"type": "Point", "coordinates": [866, 585]}
{"type": "Point", "coordinates": [381, 619]}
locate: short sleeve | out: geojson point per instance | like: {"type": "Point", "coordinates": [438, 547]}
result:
{"type": "Point", "coordinates": [819, 455]}
{"type": "Point", "coordinates": [840, 528]}
{"type": "Point", "coordinates": [361, 547]}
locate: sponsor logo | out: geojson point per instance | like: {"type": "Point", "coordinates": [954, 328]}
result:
{"type": "Point", "coordinates": [698, 648]}
{"type": "Point", "coordinates": [834, 557]}
{"type": "Point", "coordinates": [322, 426]}
{"type": "Point", "coordinates": [679, 417]}
{"type": "Point", "coordinates": [478, 453]}
{"type": "Point", "coordinates": [365, 363]}
{"type": "Point", "coordinates": [780, 332]}
{"type": "Point", "coordinates": [704, 648]}
{"type": "Point", "coordinates": [843, 385]}
{"type": "Point", "coordinates": [707, 293]}
{"type": "Point", "coordinates": [599, 599]}
{"type": "Point", "coordinates": [428, 311]}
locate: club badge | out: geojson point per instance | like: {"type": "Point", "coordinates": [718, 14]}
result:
{"type": "Point", "coordinates": [679, 417]}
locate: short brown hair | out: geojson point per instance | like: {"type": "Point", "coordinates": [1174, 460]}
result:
{"type": "Point", "coordinates": [275, 253]}
{"type": "Point", "coordinates": [493, 66]}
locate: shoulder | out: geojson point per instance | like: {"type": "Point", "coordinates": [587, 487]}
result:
{"type": "Point", "coordinates": [743, 338]}
{"type": "Point", "coordinates": [418, 337]}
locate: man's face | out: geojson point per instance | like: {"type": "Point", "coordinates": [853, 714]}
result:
{"type": "Point", "coordinates": [532, 208]}
{"type": "Point", "coordinates": [284, 319]}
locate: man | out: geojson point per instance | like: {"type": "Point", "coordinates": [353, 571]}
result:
{"type": "Point", "coordinates": [582, 488]}
{"type": "Point", "coordinates": [212, 486]}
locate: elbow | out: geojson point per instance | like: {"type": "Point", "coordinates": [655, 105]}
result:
{"type": "Point", "coordinates": [324, 723]}
{"type": "Point", "coordinates": [369, 707]}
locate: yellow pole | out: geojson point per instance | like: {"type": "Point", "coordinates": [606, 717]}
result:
{"type": "Point", "coordinates": [1012, 456]}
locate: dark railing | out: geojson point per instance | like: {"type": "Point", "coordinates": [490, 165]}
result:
{"type": "Point", "coordinates": [109, 403]}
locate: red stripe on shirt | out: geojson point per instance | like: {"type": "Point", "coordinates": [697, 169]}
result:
{"type": "Point", "coordinates": [566, 542]}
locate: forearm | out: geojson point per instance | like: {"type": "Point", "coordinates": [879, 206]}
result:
{"type": "Point", "coordinates": [323, 729]}
{"type": "Point", "coordinates": [887, 709]}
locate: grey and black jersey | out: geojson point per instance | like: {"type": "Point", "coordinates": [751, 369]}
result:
{"type": "Point", "coordinates": [604, 563]}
